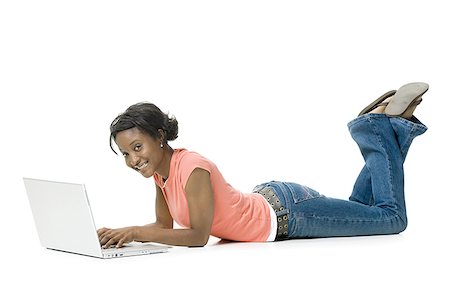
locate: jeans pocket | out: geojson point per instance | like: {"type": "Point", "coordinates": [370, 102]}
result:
{"type": "Point", "coordinates": [259, 188]}
{"type": "Point", "coordinates": [300, 192]}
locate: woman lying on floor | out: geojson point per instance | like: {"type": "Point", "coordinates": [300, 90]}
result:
{"type": "Point", "coordinates": [191, 190]}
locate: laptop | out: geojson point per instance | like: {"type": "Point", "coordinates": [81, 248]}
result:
{"type": "Point", "coordinates": [64, 221]}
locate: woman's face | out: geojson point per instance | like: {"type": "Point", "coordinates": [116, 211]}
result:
{"type": "Point", "coordinates": [142, 152]}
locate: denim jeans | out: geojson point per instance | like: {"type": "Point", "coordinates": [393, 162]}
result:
{"type": "Point", "coordinates": [377, 203]}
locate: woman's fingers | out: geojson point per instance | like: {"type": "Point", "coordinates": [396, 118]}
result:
{"type": "Point", "coordinates": [120, 243]}
{"type": "Point", "coordinates": [104, 236]}
{"type": "Point", "coordinates": [102, 233]}
{"type": "Point", "coordinates": [110, 242]}
{"type": "Point", "coordinates": [116, 237]}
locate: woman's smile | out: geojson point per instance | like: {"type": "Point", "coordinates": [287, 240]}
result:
{"type": "Point", "coordinates": [141, 166]}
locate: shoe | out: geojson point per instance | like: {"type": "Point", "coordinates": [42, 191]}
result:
{"type": "Point", "coordinates": [378, 102]}
{"type": "Point", "coordinates": [406, 96]}
{"type": "Point", "coordinates": [409, 111]}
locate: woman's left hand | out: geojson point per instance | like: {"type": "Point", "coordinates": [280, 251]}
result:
{"type": "Point", "coordinates": [116, 237]}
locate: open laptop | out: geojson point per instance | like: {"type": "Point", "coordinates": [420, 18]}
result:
{"type": "Point", "coordinates": [64, 221]}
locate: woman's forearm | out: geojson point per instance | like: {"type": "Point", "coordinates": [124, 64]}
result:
{"type": "Point", "coordinates": [180, 237]}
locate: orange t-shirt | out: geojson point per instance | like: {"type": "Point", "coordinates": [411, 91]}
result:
{"type": "Point", "coordinates": [237, 216]}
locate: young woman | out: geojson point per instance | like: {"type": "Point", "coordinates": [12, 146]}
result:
{"type": "Point", "coordinates": [191, 190]}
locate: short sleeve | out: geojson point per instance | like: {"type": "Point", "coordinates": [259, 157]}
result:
{"type": "Point", "coordinates": [189, 163]}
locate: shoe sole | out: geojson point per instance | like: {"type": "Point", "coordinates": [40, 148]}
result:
{"type": "Point", "coordinates": [406, 96]}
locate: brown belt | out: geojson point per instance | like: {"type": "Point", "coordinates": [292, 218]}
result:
{"type": "Point", "coordinates": [282, 218]}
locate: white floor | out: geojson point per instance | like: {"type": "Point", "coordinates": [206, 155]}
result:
{"type": "Point", "coordinates": [384, 270]}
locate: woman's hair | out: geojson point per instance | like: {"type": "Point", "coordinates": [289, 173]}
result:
{"type": "Point", "coordinates": [147, 118]}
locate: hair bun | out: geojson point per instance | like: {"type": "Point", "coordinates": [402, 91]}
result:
{"type": "Point", "coordinates": [172, 129]}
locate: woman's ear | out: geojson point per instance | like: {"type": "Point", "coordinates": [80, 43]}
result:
{"type": "Point", "coordinates": [162, 135]}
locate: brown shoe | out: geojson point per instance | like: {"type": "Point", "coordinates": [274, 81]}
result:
{"type": "Point", "coordinates": [410, 110]}
{"type": "Point", "coordinates": [378, 102]}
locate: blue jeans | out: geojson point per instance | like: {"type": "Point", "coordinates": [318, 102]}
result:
{"type": "Point", "coordinates": [377, 203]}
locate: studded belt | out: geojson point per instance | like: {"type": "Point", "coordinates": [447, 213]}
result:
{"type": "Point", "coordinates": [275, 203]}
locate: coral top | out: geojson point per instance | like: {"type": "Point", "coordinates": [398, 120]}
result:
{"type": "Point", "coordinates": [237, 216]}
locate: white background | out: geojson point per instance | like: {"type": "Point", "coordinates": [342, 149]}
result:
{"type": "Point", "coordinates": [262, 88]}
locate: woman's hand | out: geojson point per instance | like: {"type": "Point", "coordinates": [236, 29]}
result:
{"type": "Point", "coordinates": [116, 237]}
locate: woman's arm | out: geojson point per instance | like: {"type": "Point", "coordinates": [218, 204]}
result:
{"type": "Point", "coordinates": [200, 198]}
{"type": "Point", "coordinates": [163, 217]}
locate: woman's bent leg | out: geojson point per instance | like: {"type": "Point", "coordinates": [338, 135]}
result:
{"type": "Point", "coordinates": [406, 131]}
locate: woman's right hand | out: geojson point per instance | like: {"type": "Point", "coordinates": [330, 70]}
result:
{"type": "Point", "coordinates": [117, 237]}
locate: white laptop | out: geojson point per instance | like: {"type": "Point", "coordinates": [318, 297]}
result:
{"type": "Point", "coordinates": [64, 221]}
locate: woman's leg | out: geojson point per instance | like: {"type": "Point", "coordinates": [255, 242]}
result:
{"type": "Point", "coordinates": [401, 103]}
{"type": "Point", "coordinates": [314, 215]}
{"type": "Point", "coordinates": [405, 131]}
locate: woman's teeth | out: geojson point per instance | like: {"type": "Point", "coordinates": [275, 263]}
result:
{"type": "Point", "coordinates": [141, 166]}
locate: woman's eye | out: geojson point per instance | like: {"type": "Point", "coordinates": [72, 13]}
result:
{"type": "Point", "coordinates": [137, 147]}
{"type": "Point", "coordinates": [124, 154]}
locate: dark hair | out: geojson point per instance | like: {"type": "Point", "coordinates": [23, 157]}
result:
{"type": "Point", "coordinates": [146, 117]}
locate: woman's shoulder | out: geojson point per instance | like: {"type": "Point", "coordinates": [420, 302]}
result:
{"type": "Point", "coordinates": [191, 159]}
{"type": "Point", "coordinates": [184, 155]}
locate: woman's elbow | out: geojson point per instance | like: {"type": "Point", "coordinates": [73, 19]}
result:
{"type": "Point", "coordinates": [200, 240]}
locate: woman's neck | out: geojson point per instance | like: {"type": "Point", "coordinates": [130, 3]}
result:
{"type": "Point", "coordinates": [164, 171]}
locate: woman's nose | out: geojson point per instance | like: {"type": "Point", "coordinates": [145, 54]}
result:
{"type": "Point", "coordinates": [134, 160]}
